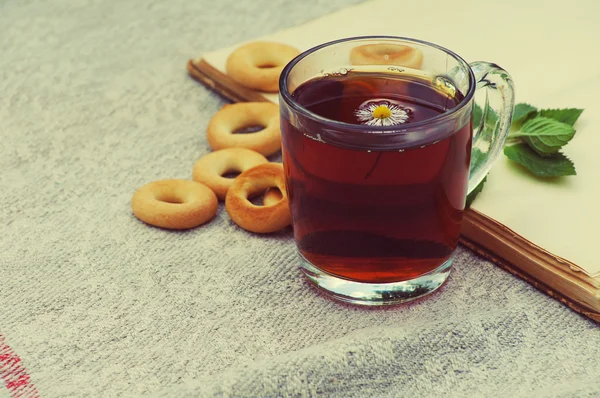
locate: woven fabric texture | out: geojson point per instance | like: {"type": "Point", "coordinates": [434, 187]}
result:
{"type": "Point", "coordinates": [95, 101]}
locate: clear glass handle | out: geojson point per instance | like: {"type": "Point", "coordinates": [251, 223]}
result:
{"type": "Point", "coordinates": [497, 109]}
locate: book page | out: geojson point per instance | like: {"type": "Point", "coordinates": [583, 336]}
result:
{"type": "Point", "coordinates": [550, 53]}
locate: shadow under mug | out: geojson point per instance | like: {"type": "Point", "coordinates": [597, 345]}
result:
{"type": "Point", "coordinates": [377, 202]}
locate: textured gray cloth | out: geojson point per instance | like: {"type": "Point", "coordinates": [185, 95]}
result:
{"type": "Point", "coordinates": [95, 102]}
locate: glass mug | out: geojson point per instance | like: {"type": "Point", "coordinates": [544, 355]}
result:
{"type": "Point", "coordinates": [379, 155]}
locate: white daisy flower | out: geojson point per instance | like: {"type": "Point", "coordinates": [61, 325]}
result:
{"type": "Point", "coordinates": [382, 113]}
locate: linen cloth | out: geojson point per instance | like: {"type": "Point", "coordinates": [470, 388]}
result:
{"type": "Point", "coordinates": [95, 102]}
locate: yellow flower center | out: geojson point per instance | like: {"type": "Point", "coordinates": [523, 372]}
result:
{"type": "Point", "coordinates": [381, 112]}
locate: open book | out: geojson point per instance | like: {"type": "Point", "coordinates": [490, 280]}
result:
{"type": "Point", "coordinates": [543, 231]}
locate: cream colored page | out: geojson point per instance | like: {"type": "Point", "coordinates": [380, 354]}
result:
{"type": "Point", "coordinates": [545, 45]}
{"type": "Point", "coordinates": [549, 50]}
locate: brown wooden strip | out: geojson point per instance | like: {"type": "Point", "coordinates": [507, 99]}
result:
{"type": "Point", "coordinates": [212, 78]}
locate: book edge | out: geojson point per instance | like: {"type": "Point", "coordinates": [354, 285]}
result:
{"type": "Point", "coordinates": [573, 304]}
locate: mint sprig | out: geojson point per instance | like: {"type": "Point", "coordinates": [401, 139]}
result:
{"type": "Point", "coordinates": [568, 116]}
{"type": "Point", "coordinates": [521, 112]}
{"type": "Point", "coordinates": [536, 139]}
{"type": "Point", "coordinates": [556, 165]}
{"type": "Point", "coordinates": [544, 135]}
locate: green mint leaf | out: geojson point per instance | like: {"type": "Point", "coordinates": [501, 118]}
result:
{"type": "Point", "coordinates": [538, 145]}
{"type": "Point", "coordinates": [567, 115]}
{"type": "Point", "coordinates": [521, 112]}
{"type": "Point", "coordinates": [477, 112]}
{"type": "Point", "coordinates": [556, 165]}
{"type": "Point", "coordinates": [471, 196]}
{"type": "Point", "coordinates": [491, 118]}
{"type": "Point", "coordinates": [546, 136]}
{"type": "Point", "coordinates": [487, 125]}
{"type": "Point", "coordinates": [477, 158]}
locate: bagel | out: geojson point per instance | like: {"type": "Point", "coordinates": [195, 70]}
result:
{"type": "Point", "coordinates": [174, 204]}
{"type": "Point", "coordinates": [210, 168]}
{"type": "Point", "coordinates": [255, 181]}
{"type": "Point", "coordinates": [233, 117]}
{"type": "Point", "coordinates": [257, 65]}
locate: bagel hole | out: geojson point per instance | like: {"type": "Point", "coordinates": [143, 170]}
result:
{"type": "Point", "coordinates": [169, 199]}
{"type": "Point", "coordinates": [248, 129]}
{"type": "Point", "coordinates": [258, 199]}
{"type": "Point", "coordinates": [230, 174]}
{"type": "Point", "coordinates": [267, 66]}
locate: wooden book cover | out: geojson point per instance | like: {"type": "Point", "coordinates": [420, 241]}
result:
{"type": "Point", "coordinates": [543, 231]}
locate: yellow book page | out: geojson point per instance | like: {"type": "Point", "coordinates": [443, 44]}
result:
{"type": "Point", "coordinates": [550, 51]}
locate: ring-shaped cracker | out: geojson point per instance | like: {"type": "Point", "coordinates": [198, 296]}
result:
{"type": "Point", "coordinates": [233, 117]}
{"type": "Point", "coordinates": [174, 204]}
{"type": "Point", "coordinates": [253, 182]}
{"type": "Point", "coordinates": [257, 65]}
{"type": "Point", "coordinates": [209, 169]}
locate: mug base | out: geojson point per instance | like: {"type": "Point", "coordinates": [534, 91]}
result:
{"type": "Point", "coordinates": [376, 294]}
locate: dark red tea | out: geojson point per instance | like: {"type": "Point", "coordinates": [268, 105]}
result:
{"type": "Point", "coordinates": [369, 215]}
